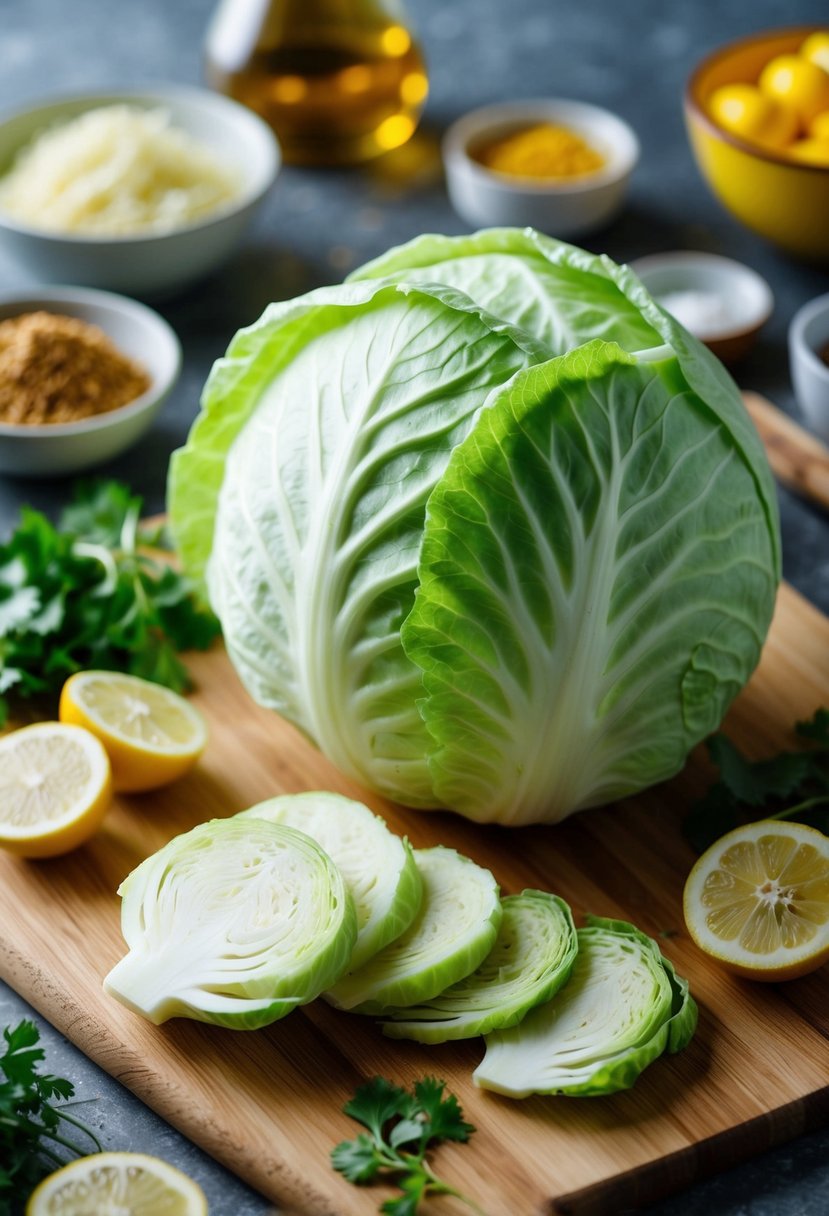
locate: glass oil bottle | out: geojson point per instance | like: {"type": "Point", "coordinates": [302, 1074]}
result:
{"type": "Point", "coordinates": [340, 81]}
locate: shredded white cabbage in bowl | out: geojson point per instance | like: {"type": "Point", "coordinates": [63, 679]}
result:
{"type": "Point", "coordinates": [116, 170]}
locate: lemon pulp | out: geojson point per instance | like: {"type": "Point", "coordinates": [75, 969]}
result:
{"type": "Point", "coordinates": [759, 900]}
{"type": "Point", "coordinates": [55, 787]}
{"type": "Point", "coordinates": [152, 734]}
{"type": "Point", "coordinates": [117, 1184]}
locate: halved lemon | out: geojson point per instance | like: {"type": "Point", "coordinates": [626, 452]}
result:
{"type": "Point", "coordinates": [131, 1184]}
{"type": "Point", "coordinates": [55, 788]}
{"type": "Point", "coordinates": [152, 735]}
{"type": "Point", "coordinates": [758, 900]}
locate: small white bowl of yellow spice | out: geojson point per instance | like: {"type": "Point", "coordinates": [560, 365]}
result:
{"type": "Point", "coordinates": [83, 373]}
{"type": "Point", "coordinates": [560, 166]}
{"type": "Point", "coordinates": [143, 191]}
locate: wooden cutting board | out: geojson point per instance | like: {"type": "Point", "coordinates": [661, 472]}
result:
{"type": "Point", "coordinates": [268, 1103]}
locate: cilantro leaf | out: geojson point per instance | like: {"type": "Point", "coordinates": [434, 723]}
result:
{"type": "Point", "coordinates": [753, 789]}
{"type": "Point", "coordinates": [357, 1159]}
{"type": "Point", "coordinates": [413, 1187]}
{"type": "Point", "coordinates": [402, 1126]}
{"type": "Point", "coordinates": [376, 1102]}
{"type": "Point", "coordinates": [86, 593]}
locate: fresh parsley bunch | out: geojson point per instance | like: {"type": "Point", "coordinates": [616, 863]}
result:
{"type": "Point", "coordinates": [790, 785]}
{"type": "Point", "coordinates": [91, 592]}
{"type": "Point", "coordinates": [401, 1127]}
{"type": "Point", "coordinates": [29, 1123]}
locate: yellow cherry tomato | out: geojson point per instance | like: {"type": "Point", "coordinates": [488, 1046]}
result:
{"type": "Point", "coordinates": [798, 84]}
{"type": "Point", "coordinates": [816, 49]}
{"type": "Point", "coordinates": [744, 111]}
{"type": "Point", "coordinates": [812, 151]}
{"type": "Point", "coordinates": [819, 126]}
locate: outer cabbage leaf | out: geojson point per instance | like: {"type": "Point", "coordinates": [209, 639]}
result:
{"type": "Point", "coordinates": [532, 958]}
{"type": "Point", "coordinates": [235, 922]}
{"type": "Point", "coordinates": [565, 296]}
{"type": "Point", "coordinates": [379, 867]}
{"type": "Point", "coordinates": [321, 509]}
{"type": "Point", "coordinates": [596, 581]}
{"type": "Point", "coordinates": [601, 1030]}
{"type": "Point", "coordinates": [451, 935]}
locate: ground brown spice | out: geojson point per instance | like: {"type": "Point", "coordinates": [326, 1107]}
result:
{"type": "Point", "coordinates": [61, 369]}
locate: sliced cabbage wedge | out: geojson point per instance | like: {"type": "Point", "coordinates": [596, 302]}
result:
{"type": "Point", "coordinates": [532, 958]}
{"type": "Point", "coordinates": [235, 923]}
{"type": "Point", "coordinates": [622, 1008]}
{"type": "Point", "coordinates": [379, 868]}
{"type": "Point", "coordinates": [452, 934]}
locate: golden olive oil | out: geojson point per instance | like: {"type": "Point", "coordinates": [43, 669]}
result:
{"type": "Point", "coordinates": [339, 83]}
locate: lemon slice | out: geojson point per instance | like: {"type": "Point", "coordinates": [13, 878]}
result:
{"type": "Point", "coordinates": [152, 735]}
{"type": "Point", "coordinates": [129, 1184]}
{"type": "Point", "coordinates": [758, 900]}
{"type": "Point", "coordinates": [55, 787]}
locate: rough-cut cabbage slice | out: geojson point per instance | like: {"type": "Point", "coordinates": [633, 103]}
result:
{"type": "Point", "coordinates": [451, 935]}
{"type": "Point", "coordinates": [622, 1007]}
{"type": "Point", "coordinates": [564, 297]}
{"type": "Point", "coordinates": [235, 922]}
{"type": "Point", "coordinates": [379, 868]}
{"type": "Point", "coordinates": [532, 958]}
{"type": "Point", "coordinates": [596, 580]}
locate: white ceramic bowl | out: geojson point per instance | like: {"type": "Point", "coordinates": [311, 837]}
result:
{"type": "Point", "coordinates": [808, 334]}
{"type": "Point", "coordinates": [567, 207]}
{"type": "Point", "coordinates": [145, 264]}
{"type": "Point", "coordinates": [718, 300]}
{"type": "Point", "coordinates": [137, 331]}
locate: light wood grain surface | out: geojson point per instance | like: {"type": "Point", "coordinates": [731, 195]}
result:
{"type": "Point", "coordinates": [268, 1103]}
{"type": "Point", "coordinates": [798, 458]}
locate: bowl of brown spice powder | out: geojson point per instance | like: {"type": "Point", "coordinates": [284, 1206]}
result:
{"type": "Point", "coordinates": [83, 373]}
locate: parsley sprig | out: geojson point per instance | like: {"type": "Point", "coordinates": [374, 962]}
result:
{"type": "Point", "coordinates": [402, 1126]}
{"type": "Point", "coordinates": [791, 785]}
{"type": "Point", "coordinates": [89, 593]}
{"type": "Point", "coordinates": [30, 1126]}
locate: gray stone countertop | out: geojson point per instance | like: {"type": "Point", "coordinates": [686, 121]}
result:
{"type": "Point", "coordinates": [633, 58]}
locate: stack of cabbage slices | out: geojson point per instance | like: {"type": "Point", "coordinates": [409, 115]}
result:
{"type": "Point", "coordinates": [240, 920]}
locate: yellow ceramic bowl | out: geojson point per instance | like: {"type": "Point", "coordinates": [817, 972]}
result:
{"type": "Point", "coordinates": [783, 200]}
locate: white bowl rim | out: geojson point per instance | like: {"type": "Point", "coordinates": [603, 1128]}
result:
{"type": "Point", "coordinates": [105, 301]}
{"type": "Point", "coordinates": [498, 114]}
{"type": "Point", "coordinates": [801, 348]}
{"type": "Point", "coordinates": [157, 94]}
{"type": "Point", "coordinates": [677, 259]}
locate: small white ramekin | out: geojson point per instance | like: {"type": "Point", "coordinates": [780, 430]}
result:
{"type": "Point", "coordinates": [809, 334]}
{"type": "Point", "coordinates": [58, 449]}
{"type": "Point", "coordinates": [561, 207]}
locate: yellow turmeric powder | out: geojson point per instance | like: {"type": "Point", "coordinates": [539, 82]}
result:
{"type": "Point", "coordinates": [540, 151]}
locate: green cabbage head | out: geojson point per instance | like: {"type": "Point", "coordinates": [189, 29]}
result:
{"type": "Point", "coordinates": [486, 524]}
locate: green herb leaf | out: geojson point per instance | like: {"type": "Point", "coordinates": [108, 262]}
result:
{"type": "Point", "coordinates": [444, 1115]}
{"type": "Point", "coordinates": [357, 1159]}
{"type": "Point", "coordinates": [29, 1123]}
{"type": "Point", "coordinates": [402, 1126]}
{"type": "Point", "coordinates": [791, 785]}
{"type": "Point", "coordinates": [87, 594]}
